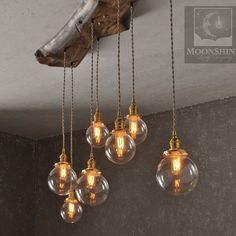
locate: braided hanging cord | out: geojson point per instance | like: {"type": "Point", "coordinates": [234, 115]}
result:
{"type": "Point", "coordinates": [118, 58]}
{"type": "Point", "coordinates": [63, 105]}
{"type": "Point", "coordinates": [71, 115]}
{"type": "Point", "coordinates": [97, 75]}
{"type": "Point", "coordinates": [91, 84]}
{"type": "Point", "coordinates": [173, 70]}
{"type": "Point", "coordinates": [132, 49]}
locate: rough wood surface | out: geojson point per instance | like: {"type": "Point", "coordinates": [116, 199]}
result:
{"type": "Point", "coordinates": [75, 35]}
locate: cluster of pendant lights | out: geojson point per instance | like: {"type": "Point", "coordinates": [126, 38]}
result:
{"type": "Point", "coordinates": [176, 173]}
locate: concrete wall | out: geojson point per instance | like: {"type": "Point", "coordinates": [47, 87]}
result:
{"type": "Point", "coordinates": [17, 186]}
{"type": "Point", "coordinates": [136, 205]}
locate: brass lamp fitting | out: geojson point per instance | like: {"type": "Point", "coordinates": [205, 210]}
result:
{"type": "Point", "coordinates": [119, 122]}
{"type": "Point", "coordinates": [174, 142]}
{"type": "Point", "coordinates": [63, 156]}
{"type": "Point", "coordinates": [91, 163]}
{"type": "Point", "coordinates": [133, 109]}
{"type": "Point", "coordinates": [71, 195]}
{"type": "Point", "coordinates": [97, 116]}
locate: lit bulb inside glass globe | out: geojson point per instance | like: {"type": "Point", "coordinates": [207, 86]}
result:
{"type": "Point", "coordinates": [136, 128]}
{"type": "Point", "coordinates": [62, 177]}
{"type": "Point", "coordinates": [71, 211]}
{"type": "Point", "coordinates": [97, 134]}
{"type": "Point", "coordinates": [177, 173]}
{"type": "Point", "coordinates": [92, 188]}
{"type": "Point", "coordinates": [120, 147]}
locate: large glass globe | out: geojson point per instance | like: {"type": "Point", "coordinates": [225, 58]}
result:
{"type": "Point", "coordinates": [92, 188]}
{"type": "Point", "coordinates": [97, 134]}
{"type": "Point", "coordinates": [177, 174]}
{"type": "Point", "coordinates": [61, 178]}
{"type": "Point", "coordinates": [120, 147]}
{"type": "Point", "coordinates": [71, 211]}
{"type": "Point", "coordinates": [136, 128]}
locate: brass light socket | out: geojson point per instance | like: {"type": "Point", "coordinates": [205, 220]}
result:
{"type": "Point", "coordinates": [91, 163]}
{"type": "Point", "coordinates": [174, 142]}
{"type": "Point", "coordinates": [63, 156]}
{"type": "Point", "coordinates": [119, 123]}
{"type": "Point", "coordinates": [97, 116]}
{"type": "Point", "coordinates": [71, 195]}
{"type": "Point", "coordinates": [133, 109]}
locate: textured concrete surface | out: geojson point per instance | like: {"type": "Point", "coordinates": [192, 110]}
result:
{"type": "Point", "coordinates": [26, 25]}
{"type": "Point", "coordinates": [17, 186]}
{"type": "Point", "coordinates": [136, 205]}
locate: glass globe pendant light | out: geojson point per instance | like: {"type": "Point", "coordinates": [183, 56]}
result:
{"type": "Point", "coordinates": [92, 188]}
{"type": "Point", "coordinates": [176, 173]}
{"type": "Point", "coordinates": [71, 210]}
{"type": "Point", "coordinates": [62, 176]}
{"type": "Point", "coordinates": [97, 133]}
{"type": "Point", "coordinates": [120, 147]}
{"type": "Point", "coordinates": [134, 124]}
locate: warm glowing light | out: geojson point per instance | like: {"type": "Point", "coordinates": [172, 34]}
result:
{"type": "Point", "coordinates": [63, 172]}
{"type": "Point", "coordinates": [176, 165]}
{"type": "Point", "coordinates": [177, 185]}
{"type": "Point", "coordinates": [71, 209]}
{"type": "Point", "coordinates": [120, 145]}
{"type": "Point", "coordinates": [133, 128]}
{"type": "Point", "coordinates": [91, 179]}
{"type": "Point", "coordinates": [97, 133]}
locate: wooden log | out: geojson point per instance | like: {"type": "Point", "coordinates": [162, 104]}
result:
{"type": "Point", "coordinates": [75, 35]}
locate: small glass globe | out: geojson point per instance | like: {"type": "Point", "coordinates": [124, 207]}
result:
{"type": "Point", "coordinates": [97, 134]}
{"type": "Point", "coordinates": [177, 174]}
{"type": "Point", "coordinates": [61, 178]}
{"type": "Point", "coordinates": [136, 128]}
{"type": "Point", "coordinates": [120, 147]}
{"type": "Point", "coordinates": [92, 188]}
{"type": "Point", "coordinates": [71, 211]}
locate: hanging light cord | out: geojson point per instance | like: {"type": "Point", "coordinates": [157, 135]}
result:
{"type": "Point", "coordinates": [118, 57]}
{"type": "Point", "coordinates": [97, 75]}
{"type": "Point", "coordinates": [91, 83]}
{"type": "Point", "coordinates": [71, 115]}
{"type": "Point", "coordinates": [63, 104]}
{"type": "Point", "coordinates": [173, 69]}
{"type": "Point", "coordinates": [132, 45]}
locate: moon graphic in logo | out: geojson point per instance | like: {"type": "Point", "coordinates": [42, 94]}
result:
{"type": "Point", "coordinates": [207, 24]}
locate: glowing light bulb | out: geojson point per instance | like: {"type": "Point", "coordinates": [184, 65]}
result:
{"type": "Point", "coordinates": [61, 178]}
{"type": "Point", "coordinates": [176, 165]}
{"type": "Point", "coordinates": [92, 188]}
{"type": "Point", "coordinates": [120, 144]}
{"type": "Point", "coordinates": [71, 211]}
{"type": "Point", "coordinates": [136, 128]}
{"type": "Point", "coordinates": [97, 134]}
{"type": "Point", "coordinates": [91, 178]}
{"type": "Point", "coordinates": [120, 147]}
{"type": "Point", "coordinates": [177, 173]}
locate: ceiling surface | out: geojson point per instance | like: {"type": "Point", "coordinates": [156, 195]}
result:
{"type": "Point", "coordinates": [30, 93]}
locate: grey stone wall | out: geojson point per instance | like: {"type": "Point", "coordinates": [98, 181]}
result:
{"type": "Point", "coordinates": [136, 205]}
{"type": "Point", "coordinates": [17, 186]}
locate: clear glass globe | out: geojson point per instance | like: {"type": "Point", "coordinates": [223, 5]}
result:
{"type": "Point", "coordinates": [120, 147]}
{"type": "Point", "coordinates": [177, 175]}
{"type": "Point", "coordinates": [92, 188]}
{"type": "Point", "coordinates": [136, 128]}
{"type": "Point", "coordinates": [71, 211]}
{"type": "Point", "coordinates": [97, 134]}
{"type": "Point", "coordinates": [61, 178]}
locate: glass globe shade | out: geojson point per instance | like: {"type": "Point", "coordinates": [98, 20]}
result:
{"type": "Point", "coordinates": [120, 147]}
{"type": "Point", "coordinates": [177, 174]}
{"type": "Point", "coordinates": [92, 188]}
{"type": "Point", "coordinates": [71, 211]}
{"type": "Point", "coordinates": [97, 134]}
{"type": "Point", "coordinates": [136, 128]}
{"type": "Point", "coordinates": [61, 178]}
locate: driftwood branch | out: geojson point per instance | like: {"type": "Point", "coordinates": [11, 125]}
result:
{"type": "Point", "coordinates": [75, 35]}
